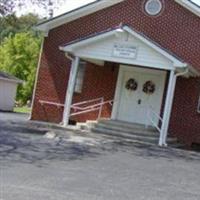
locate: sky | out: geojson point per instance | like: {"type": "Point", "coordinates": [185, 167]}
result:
{"type": "Point", "coordinates": [197, 1]}
{"type": "Point", "coordinates": [72, 4]}
{"type": "Point", "coordinates": [67, 6]}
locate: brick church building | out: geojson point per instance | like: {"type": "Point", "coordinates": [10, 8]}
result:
{"type": "Point", "coordinates": [136, 61]}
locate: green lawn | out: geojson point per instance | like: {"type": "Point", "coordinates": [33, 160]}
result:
{"type": "Point", "coordinates": [22, 109]}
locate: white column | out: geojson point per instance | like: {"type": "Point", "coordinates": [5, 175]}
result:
{"type": "Point", "coordinates": [168, 108]}
{"type": "Point", "coordinates": [70, 90]}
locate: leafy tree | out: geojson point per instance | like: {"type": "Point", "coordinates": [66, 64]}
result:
{"type": "Point", "coordinates": [8, 6]}
{"type": "Point", "coordinates": [19, 56]}
{"type": "Point", "coordinates": [11, 24]}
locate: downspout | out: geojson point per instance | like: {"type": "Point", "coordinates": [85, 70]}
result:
{"type": "Point", "coordinates": [170, 105]}
{"type": "Point", "coordinates": [69, 57]}
{"type": "Point", "coordinates": [182, 73]}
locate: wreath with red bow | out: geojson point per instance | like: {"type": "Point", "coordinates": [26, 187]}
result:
{"type": "Point", "coordinates": [131, 84]}
{"type": "Point", "coordinates": [149, 87]}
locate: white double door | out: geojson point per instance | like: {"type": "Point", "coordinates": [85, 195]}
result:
{"type": "Point", "coordinates": [133, 105]}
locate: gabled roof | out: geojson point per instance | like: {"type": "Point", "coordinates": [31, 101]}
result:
{"type": "Point", "coordinates": [75, 14]}
{"type": "Point", "coordinates": [95, 6]}
{"type": "Point", "coordinates": [76, 44]}
{"type": "Point", "coordinates": [8, 77]}
{"type": "Point", "coordinates": [190, 5]}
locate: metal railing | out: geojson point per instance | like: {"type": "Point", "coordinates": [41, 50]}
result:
{"type": "Point", "coordinates": [84, 106]}
{"type": "Point", "coordinates": [51, 103]}
{"type": "Point", "coordinates": [150, 118]}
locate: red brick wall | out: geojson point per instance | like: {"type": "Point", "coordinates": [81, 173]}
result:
{"type": "Point", "coordinates": [185, 120]}
{"type": "Point", "coordinates": [99, 81]}
{"type": "Point", "coordinates": [173, 30]}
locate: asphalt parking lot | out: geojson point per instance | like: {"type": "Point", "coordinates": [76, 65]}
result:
{"type": "Point", "coordinates": [90, 167]}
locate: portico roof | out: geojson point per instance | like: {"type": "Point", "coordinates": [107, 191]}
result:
{"type": "Point", "coordinates": [76, 44]}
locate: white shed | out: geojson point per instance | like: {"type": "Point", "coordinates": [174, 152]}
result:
{"type": "Point", "coordinates": [8, 88]}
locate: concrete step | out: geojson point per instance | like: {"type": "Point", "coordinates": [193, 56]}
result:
{"type": "Point", "coordinates": [126, 124]}
{"type": "Point", "coordinates": [86, 126]}
{"type": "Point", "coordinates": [131, 130]}
{"type": "Point", "coordinates": [135, 132]}
{"type": "Point", "coordinates": [136, 137]}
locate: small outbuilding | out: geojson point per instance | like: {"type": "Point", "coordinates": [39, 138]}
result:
{"type": "Point", "coordinates": [8, 88]}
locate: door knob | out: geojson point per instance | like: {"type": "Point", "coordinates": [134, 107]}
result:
{"type": "Point", "coordinates": [139, 101]}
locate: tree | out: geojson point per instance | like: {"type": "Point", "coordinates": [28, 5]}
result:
{"type": "Point", "coordinates": [19, 56]}
{"type": "Point", "coordinates": [11, 24]}
{"type": "Point", "coordinates": [8, 6]}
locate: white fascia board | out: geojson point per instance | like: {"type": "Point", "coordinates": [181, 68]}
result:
{"type": "Point", "coordinates": [76, 14]}
{"type": "Point", "coordinates": [177, 63]}
{"type": "Point", "coordinates": [70, 48]}
{"type": "Point", "coordinates": [11, 80]}
{"type": "Point", "coordinates": [190, 6]}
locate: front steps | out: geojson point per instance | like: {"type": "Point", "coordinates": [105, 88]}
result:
{"type": "Point", "coordinates": [124, 130]}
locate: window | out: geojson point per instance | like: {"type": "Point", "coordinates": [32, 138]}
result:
{"type": "Point", "coordinates": [153, 7]}
{"type": "Point", "coordinates": [198, 109]}
{"type": "Point", "coordinates": [80, 77]}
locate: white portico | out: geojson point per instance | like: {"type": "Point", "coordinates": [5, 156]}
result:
{"type": "Point", "coordinates": [142, 63]}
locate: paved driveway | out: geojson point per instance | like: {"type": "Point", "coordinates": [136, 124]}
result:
{"type": "Point", "coordinates": [91, 167]}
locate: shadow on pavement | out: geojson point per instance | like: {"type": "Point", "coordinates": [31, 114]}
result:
{"type": "Point", "coordinates": [22, 143]}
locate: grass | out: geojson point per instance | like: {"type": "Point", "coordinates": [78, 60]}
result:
{"type": "Point", "coordinates": [23, 109]}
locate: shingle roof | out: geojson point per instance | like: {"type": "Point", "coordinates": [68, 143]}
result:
{"type": "Point", "coordinates": [68, 12]}
{"type": "Point", "coordinates": [6, 76]}
{"type": "Point", "coordinates": [46, 21]}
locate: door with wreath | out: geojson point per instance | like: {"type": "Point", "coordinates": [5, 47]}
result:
{"type": "Point", "coordinates": [140, 91]}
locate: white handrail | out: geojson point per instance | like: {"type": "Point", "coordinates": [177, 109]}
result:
{"type": "Point", "coordinates": [89, 101]}
{"type": "Point", "coordinates": [83, 109]}
{"type": "Point", "coordinates": [51, 103]}
{"type": "Point", "coordinates": [74, 106]}
{"type": "Point", "coordinates": [149, 118]}
{"type": "Point", "coordinates": [154, 113]}
{"type": "Point", "coordinates": [91, 108]}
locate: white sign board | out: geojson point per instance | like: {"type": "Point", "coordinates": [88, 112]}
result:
{"type": "Point", "coordinates": [124, 51]}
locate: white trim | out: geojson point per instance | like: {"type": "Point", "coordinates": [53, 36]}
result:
{"type": "Point", "coordinates": [71, 48]}
{"type": "Point", "coordinates": [11, 80]}
{"type": "Point", "coordinates": [76, 14]}
{"type": "Point", "coordinates": [36, 78]}
{"type": "Point", "coordinates": [190, 6]}
{"type": "Point", "coordinates": [154, 13]}
{"type": "Point", "coordinates": [117, 94]}
{"type": "Point", "coordinates": [94, 7]}
{"type": "Point", "coordinates": [96, 38]}
{"type": "Point", "coordinates": [177, 63]}
{"type": "Point", "coordinates": [119, 85]}
{"type": "Point", "coordinates": [124, 61]}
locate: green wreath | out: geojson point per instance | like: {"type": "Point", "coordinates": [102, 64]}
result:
{"type": "Point", "coordinates": [149, 87]}
{"type": "Point", "coordinates": [131, 84]}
